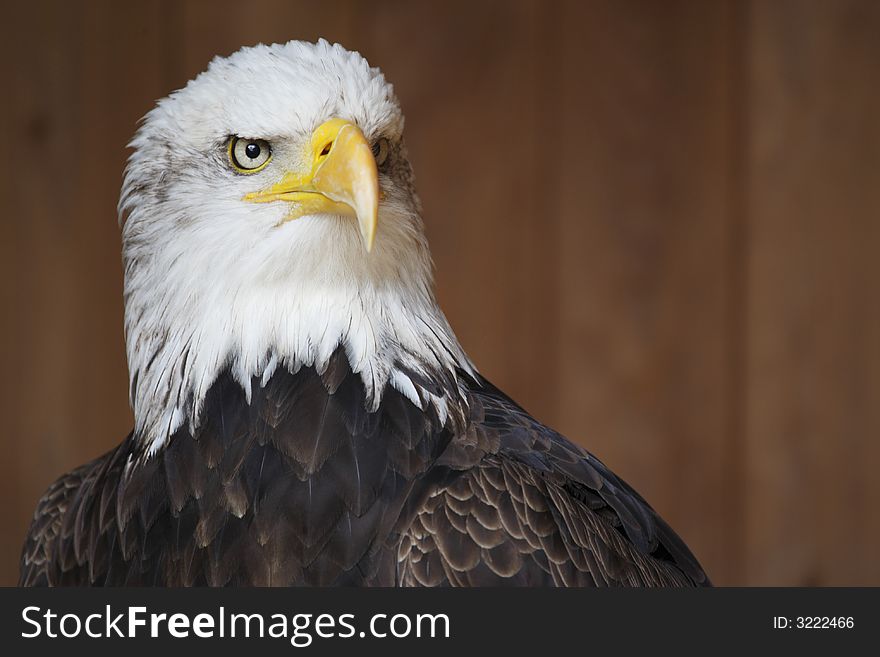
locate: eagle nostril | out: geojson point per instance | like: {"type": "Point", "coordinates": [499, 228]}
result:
{"type": "Point", "coordinates": [326, 148]}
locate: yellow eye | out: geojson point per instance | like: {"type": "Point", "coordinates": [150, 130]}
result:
{"type": "Point", "coordinates": [249, 155]}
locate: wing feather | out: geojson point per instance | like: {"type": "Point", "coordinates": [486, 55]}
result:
{"type": "Point", "coordinates": [533, 508]}
{"type": "Point", "coordinates": [43, 546]}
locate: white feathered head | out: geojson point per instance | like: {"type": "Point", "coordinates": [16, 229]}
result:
{"type": "Point", "coordinates": [269, 217]}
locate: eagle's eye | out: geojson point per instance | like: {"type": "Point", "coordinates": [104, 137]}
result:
{"type": "Point", "coordinates": [380, 151]}
{"type": "Point", "coordinates": [249, 155]}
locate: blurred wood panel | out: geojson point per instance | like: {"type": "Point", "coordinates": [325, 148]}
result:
{"type": "Point", "coordinates": [69, 391]}
{"type": "Point", "coordinates": [654, 225]}
{"type": "Point", "coordinates": [110, 56]}
{"type": "Point", "coordinates": [208, 28]}
{"type": "Point", "coordinates": [642, 143]}
{"type": "Point", "coordinates": [39, 210]}
{"type": "Point", "coordinates": [813, 422]}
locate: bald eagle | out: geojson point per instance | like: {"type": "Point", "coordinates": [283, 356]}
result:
{"type": "Point", "coordinates": [304, 413]}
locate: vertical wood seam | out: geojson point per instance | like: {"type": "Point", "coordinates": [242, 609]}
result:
{"type": "Point", "coordinates": [547, 86]}
{"type": "Point", "coordinates": [737, 290]}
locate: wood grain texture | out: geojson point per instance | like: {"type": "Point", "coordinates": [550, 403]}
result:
{"type": "Point", "coordinates": [655, 226]}
{"type": "Point", "coordinates": [813, 206]}
{"type": "Point", "coordinates": [65, 308]}
{"type": "Point", "coordinates": [643, 155]}
{"type": "Point", "coordinates": [207, 28]}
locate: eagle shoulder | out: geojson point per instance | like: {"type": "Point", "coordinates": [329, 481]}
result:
{"type": "Point", "coordinates": [535, 510]}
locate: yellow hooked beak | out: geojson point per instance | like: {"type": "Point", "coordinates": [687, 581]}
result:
{"type": "Point", "coordinates": [339, 177]}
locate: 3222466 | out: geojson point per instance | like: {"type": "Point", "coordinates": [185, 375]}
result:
{"type": "Point", "coordinates": [814, 622]}
{"type": "Point", "coordinates": [824, 622]}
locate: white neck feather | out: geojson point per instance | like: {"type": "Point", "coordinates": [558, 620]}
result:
{"type": "Point", "coordinates": [192, 313]}
{"type": "Point", "coordinates": [215, 283]}
{"type": "Point", "coordinates": [172, 369]}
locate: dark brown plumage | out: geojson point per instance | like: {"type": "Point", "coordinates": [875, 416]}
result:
{"type": "Point", "coordinates": [304, 486]}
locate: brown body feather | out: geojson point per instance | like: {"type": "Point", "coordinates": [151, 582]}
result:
{"type": "Point", "coordinates": [303, 486]}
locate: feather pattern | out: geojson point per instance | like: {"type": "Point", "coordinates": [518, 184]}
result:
{"type": "Point", "coordinates": [524, 506]}
{"type": "Point", "coordinates": [302, 485]}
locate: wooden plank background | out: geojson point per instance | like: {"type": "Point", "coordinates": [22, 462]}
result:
{"type": "Point", "coordinates": [655, 224]}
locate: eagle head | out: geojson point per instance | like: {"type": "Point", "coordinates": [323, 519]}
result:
{"type": "Point", "coordinates": [269, 218]}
